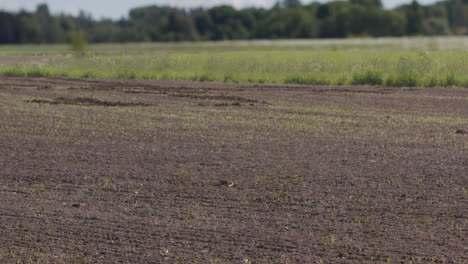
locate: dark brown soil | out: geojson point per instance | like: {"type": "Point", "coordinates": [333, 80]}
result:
{"type": "Point", "coordinates": [316, 175]}
{"type": "Point", "coordinates": [237, 99]}
{"type": "Point", "coordinates": [83, 102]}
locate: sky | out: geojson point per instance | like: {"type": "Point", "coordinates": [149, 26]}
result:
{"type": "Point", "coordinates": [119, 8]}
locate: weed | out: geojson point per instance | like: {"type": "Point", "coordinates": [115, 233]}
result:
{"type": "Point", "coordinates": [126, 75]}
{"type": "Point", "coordinates": [306, 80]}
{"type": "Point", "coordinates": [204, 77]}
{"type": "Point", "coordinates": [275, 64]}
{"type": "Point", "coordinates": [229, 78]}
{"type": "Point", "coordinates": [13, 72]}
{"type": "Point", "coordinates": [367, 77]}
{"type": "Point", "coordinates": [77, 42]}
{"type": "Point", "coordinates": [88, 74]}
{"type": "Point", "coordinates": [431, 81]}
{"type": "Point", "coordinates": [37, 73]}
{"type": "Point", "coordinates": [449, 80]}
{"type": "Point", "coordinates": [402, 80]}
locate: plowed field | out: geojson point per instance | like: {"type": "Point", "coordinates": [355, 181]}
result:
{"type": "Point", "coordinates": [110, 171]}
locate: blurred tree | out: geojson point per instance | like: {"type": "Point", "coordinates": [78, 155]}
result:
{"type": "Point", "coordinates": [180, 28]}
{"type": "Point", "coordinates": [323, 11]}
{"type": "Point", "coordinates": [30, 29]}
{"type": "Point", "coordinates": [204, 25]}
{"type": "Point", "coordinates": [438, 10]}
{"type": "Point", "coordinates": [289, 23]}
{"type": "Point", "coordinates": [363, 21]}
{"type": "Point", "coordinates": [368, 3]}
{"type": "Point", "coordinates": [287, 19]}
{"type": "Point", "coordinates": [104, 31]}
{"type": "Point", "coordinates": [42, 10]}
{"type": "Point", "coordinates": [9, 28]}
{"type": "Point", "coordinates": [456, 15]}
{"type": "Point", "coordinates": [436, 27]}
{"type": "Point", "coordinates": [224, 22]}
{"type": "Point", "coordinates": [414, 18]}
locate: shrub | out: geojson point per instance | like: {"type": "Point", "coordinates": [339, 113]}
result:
{"type": "Point", "coordinates": [36, 72]}
{"type": "Point", "coordinates": [306, 80]}
{"type": "Point", "coordinates": [402, 80]}
{"type": "Point", "coordinates": [12, 72]}
{"type": "Point", "coordinates": [88, 74]}
{"type": "Point", "coordinates": [204, 77]}
{"type": "Point", "coordinates": [126, 75]}
{"type": "Point", "coordinates": [77, 42]}
{"type": "Point", "coordinates": [341, 80]}
{"type": "Point", "coordinates": [464, 83]}
{"type": "Point", "coordinates": [431, 82]}
{"type": "Point", "coordinates": [228, 78]}
{"type": "Point", "coordinates": [449, 80]}
{"type": "Point", "coordinates": [367, 77]}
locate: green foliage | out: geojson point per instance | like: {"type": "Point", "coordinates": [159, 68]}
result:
{"type": "Point", "coordinates": [288, 23]}
{"type": "Point", "coordinates": [37, 72]}
{"type": "Point", "coordinates": [368, 3]}
{"type": "Point", "coordinates": [89, 74]}
{"type": "Point", "coordinates": [288, 19]}
{"type": "Point", "coordinates": [464, 83]}
{"type": "Point", "coordinates": [436, 27]}
{"type": "Point", "coordinates": [367, 77]}
{"type": "Point", "coordinates": [13, 72]}
{"type": "Point", "coordinates": [373, 21]}
{"type": "Point", "coordinates": [449, 80]}
{"type": "Point", "coordinates": [457, 16]}
{"type": "Point", "coordinates": [231, 62]}
{"type": "Point", "coordinates": [180, 28]}
{"type": "Point", "coordinates": [430, 81]}
{"type": "Point", "coordinates": [77, 42]}
{"type": "Point", "coordinates": [126, 74]}
{"type": "Point", "coordinates": [224, 22]}
{"type": "Point", "coordinates": [306, 80]}
{"type": "Point", "coordinates": [414, 19]}
{"type": "Point", "coordinates": [403, 80]}
{"type": "Point", "coordinates": [204, 77]}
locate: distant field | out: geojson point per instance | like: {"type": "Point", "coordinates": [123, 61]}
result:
{"type": "Point", "coordinates": [405, 62]}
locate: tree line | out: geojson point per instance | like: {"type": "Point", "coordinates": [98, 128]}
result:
{"type": "Point", "coordinates": [287, 19]}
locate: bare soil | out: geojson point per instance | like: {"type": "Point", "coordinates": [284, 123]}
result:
{"type": "Point", "coordinates": [114, 171]}
{"type": "Point", "coordinates": [85, 101]}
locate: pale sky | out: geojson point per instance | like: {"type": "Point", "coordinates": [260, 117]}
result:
{"type": "Point", "coordinates": [119, 8]}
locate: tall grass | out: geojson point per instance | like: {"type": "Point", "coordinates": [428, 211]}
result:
{"type": "Point", "coordinates": [287, 65]}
